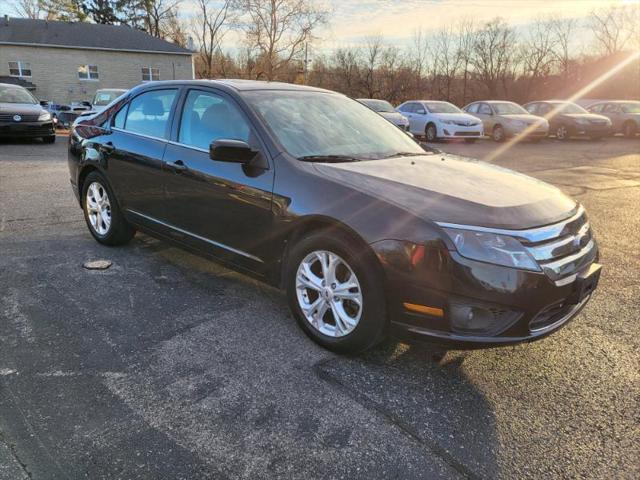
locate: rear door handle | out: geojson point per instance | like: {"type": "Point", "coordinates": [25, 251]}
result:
{"type": "Point", "coordinates": [177, 166]}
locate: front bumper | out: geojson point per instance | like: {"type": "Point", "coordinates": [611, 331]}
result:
{"type": "Point", "coordinates": [541, 132]}
{"type": "Point", "coordinates": [26, 129]}
{"type": "Point", "coordinates": [530, 304]}
{"type": "Point", "coordinates": [591, 130]}
{"type": "Point", "coordinates": [459, 131]}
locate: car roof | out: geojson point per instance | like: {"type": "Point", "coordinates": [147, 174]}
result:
{"type": "Point", "coordinates": [237, 85]}
{"type": "Point", "coordinates": [11, 85]}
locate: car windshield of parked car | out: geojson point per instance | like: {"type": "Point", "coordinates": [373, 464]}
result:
{"type": "Point", "coordinates": [568, 108]}
{"type": "Point", "coordinates": [442, 107]}
{"type": "Point", "coordinates": [631, 107]}
{"type": "Point", "coordinates": [381, 106]}
{"type": "Point", "coordinates": [16, 95]}
{"type": "Point", "coordinates": [316, 125]}
{"type": "Point", "coordinates": [508, 108]}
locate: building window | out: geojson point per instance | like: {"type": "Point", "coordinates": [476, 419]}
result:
{"type": "Point", "coordinates": [88, 72]}
{"type": "Point", "coordinates": [150, 74]}
{"type": "Point", "coordinates": [19, 69]}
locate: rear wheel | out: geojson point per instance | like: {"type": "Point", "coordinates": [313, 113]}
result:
{"type": "Point", "coordinates": [102, 213]}
{"type": "Point", "coordinates": [629, 129]}
{"type": "Point", "coordinates": [335, 292]}
{"type": "Point", "coordinates": [431, 133]}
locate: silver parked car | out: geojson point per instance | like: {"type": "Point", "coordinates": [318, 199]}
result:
{"type": "Point", "coordinates": [385, 109]}
{"type": "Point", "coordinates": [624, 115]}
{"type": "Point", "coordinates": [502, 119]}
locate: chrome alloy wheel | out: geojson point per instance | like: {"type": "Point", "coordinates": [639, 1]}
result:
{"type": "Point", "coordinates": [561, 132]}
{"type": "Point", "coordinates": [329, 293]}
{"type": "Point", "coordinates": [98, 208]}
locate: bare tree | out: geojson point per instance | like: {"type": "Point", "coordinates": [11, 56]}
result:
{"type": "Point", "coordinates": [278, 30]}
{"type": "Point", "coordinates": [494, 54]}
{"type": "Point", "coordinates": [446, 57]}
{"type": "Point", "coordinates": [372, 53]}
{"type": "Point", "coordinates": [346, 70]}
{"type": "Point", "coordinates": [538, 52]}
{"type": "Point", "coordinates": [614, 27]}
{"type": "Point", "coordinates": [29, 8]}
{"type": "Point", "coordinates": [563, 31]}
{"type": "Point", "coordinates": [158, 14]}
{"type": "Point", "coordinates": [466, 40]}
{"type": "Point", "coordinates": [210, 24]}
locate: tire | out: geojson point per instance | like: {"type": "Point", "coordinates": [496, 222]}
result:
{"type": "Point", "coordinates": [497, 134]}
{"type": "Point", "coordinates": [368, 322]}
{"type": "Point", "coordinates": [470, 140]}
{"type": "Point", "coordinates": [49, 139]}
{"type": "Point", "coordinates": [431, 133]}
{"type": "Point", "coordinates": [117, 231]}
{"type": "Point", "coordinates": [562, 133]}
{"type": "Point", "coordinates": [629, 129]}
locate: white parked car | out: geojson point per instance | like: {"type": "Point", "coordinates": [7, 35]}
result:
{"type": "Point", "coordinates": [104, 97]}
{"type": "Point", "coordinates": [437, 120]}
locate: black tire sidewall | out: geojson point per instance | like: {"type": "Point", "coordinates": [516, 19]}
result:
{"type": "Point", "coordinates": [498, 128]}
{"type": "Point", "coordinates": [435, 132]}
{"type": "Point", "coordinates": [373, 323]}
{"type": "Point", "coordinates": [629, 129]}
{"type": "Point", "coordinates": [120, 231]}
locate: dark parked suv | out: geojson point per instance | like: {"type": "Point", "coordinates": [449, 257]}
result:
{"type": "Point", "coordinates": [312, 191]}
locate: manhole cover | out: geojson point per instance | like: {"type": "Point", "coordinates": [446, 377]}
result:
{"type": "Point", "coordinates": [97, 264]}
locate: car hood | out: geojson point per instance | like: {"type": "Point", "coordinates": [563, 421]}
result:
{"type": "Point", "coordinates": [394, 117]}
{"type": "Point", "coordinates": [586, 116]}
{"type": "Point", "coordinates": [523, 117]}
{"type": "Point", "coordinates": [458, 117]}
{"type": "Point", "coordinates": [20, 108]}
{"type": "Point", "coordinates": [452, 189]}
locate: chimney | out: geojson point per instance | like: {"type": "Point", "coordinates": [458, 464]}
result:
{"type": "Point", "coordinates": [190, 44]}
{"type": "Point", "coordinates": [6, 20]}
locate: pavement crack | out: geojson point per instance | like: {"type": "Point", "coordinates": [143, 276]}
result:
{"type": "Point", "coordinates": [394, 420]}
{"type": "Point", "coordinates": [12, 449]}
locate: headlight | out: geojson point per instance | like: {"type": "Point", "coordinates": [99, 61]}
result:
{"type": "Point", "coordinates": [492, 248]}
{"type": "Point", "coordinates": [582, 121]}
{"type": "Point", "coordinates": [447, 122]}
{"type": "Point", "coordinates": [44, 116]}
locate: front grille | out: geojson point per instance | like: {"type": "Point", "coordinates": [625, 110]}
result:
{"type": "Point", "coordinates": [561, 249]}
{"type": "Point", "coordinates": [466, 134]}
{"type": "Point", "coordinates": [8, 117]}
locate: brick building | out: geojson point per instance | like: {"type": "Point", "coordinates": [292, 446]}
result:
{"type": "Point", "coordinates": [64, 61]}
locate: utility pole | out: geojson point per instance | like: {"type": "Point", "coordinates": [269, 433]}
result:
{"type": "Point", "coordinates": [306, 62]}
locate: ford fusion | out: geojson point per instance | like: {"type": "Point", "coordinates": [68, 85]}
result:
{"type": "Point", "coordinates": [308, 190]}
{"type": "Point", "coordinates": [21, 116]}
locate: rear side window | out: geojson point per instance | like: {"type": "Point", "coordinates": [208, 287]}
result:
{"type": "Point", "coordinates": [407, 108]}
{"type": "Point", "coordinates": [473, 108]}
{"type": "Point", "coordinates": [484, 109]}
{"type": "Point", "coordinates": [148, 113]}
{"type": "Point", "coordinates": [596, 108]}
{"type": "Point", "coordinates": [207, 117]}
{"type": "Point", "coordinates": [532, 108]}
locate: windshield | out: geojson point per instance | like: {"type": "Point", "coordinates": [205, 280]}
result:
{"type": "Point", "coordinates": [378, 105]}
{"type": "Point", "coordinates": [508, 108]}
{"type": "Point", "coordinates": [568, 108]}
{"type": "Point", "coordinates": [631, 107]}
{"type": "Point", "coordinates": [315, 124]}
{"type": "Point", "coordinates": [442, 107]}
{"type": "Point", "coordinates": [16, 95]}
{"type": "Point", "coordinates": [105, 97]}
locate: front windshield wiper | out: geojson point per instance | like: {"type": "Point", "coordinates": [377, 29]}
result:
{"type": "Point", "coordinates": [404, 154]}
{"type": "Point", "coordinates": [329, 158]}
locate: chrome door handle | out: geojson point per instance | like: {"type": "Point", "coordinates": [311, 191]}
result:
{"type": "Point", "coordinates": [177, 166]}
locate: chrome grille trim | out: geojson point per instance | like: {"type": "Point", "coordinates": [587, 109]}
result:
{"type": "Point", "coordinates": [532, 235]}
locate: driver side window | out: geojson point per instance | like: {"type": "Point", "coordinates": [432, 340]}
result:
{"type": "Point", "coordinates": [484, 109]}
{"type": "Point", "coordinates": [207, 117]}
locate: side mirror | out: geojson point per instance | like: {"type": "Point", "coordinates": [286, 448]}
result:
{"type": "Point", "coordinates": [227, 150]}
{"type": "Point", "coordinates": [43, 103]}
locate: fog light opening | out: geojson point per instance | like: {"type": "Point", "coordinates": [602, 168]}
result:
{"type": "Point", "coordinates": [480, 320]}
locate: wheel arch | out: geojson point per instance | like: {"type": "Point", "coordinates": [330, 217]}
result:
{"type": "Point", "coordinates": [82, 176]}
{"type": "Point", "coordinates": [315, 224]}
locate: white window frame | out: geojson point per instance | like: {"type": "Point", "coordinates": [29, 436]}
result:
{"type": "Point", "coordinates": [89, 77]}
{"type": "Point", "coordinates": [22, 67]}
{"type": "Point", "coordinates": [148, 71]}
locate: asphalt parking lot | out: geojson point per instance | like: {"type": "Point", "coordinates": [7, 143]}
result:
{"type": "Point", "coordinates": [167, 365]}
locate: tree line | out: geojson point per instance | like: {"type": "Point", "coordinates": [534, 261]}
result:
{"type": "Point", "coordinates": [461, 62]}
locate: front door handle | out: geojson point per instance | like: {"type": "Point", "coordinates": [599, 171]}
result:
{"type": "Point", "coordinates": [107, 147]}
{"type": "Point", "coordinates": [177, 166]}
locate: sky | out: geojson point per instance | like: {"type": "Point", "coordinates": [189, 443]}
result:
{"type": "Point", "coordinates": [352, 21]}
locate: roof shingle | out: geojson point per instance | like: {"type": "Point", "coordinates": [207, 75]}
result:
{"type": "Point", "coordinates": [83, 35]}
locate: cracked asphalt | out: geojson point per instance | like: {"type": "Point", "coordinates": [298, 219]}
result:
{"type": "Point", "coordinates": [169, 366]}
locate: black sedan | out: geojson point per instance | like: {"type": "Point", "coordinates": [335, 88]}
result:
{"type": "Point", "coordinates": [313, 192]}
{"type": "Point", "coordinates": [568, 120]}
{"type": "Point", "coordinates": [21, 116]}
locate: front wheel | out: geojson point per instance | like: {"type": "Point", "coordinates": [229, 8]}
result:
{"type": "Point", "coordinates": [335, 293]}
{"type": "Point", "coordinates": [102, 213]}
{"type": "Point", "coordinates": [497, 134]}
{"type": "Point", "coordinates": [49, 139]}
{"type": "Point", "coordinates": [562, 133]}
{"type": "Point", "coordinates": [431, 133]}
{"type": "Point", "coordinates": [629, 129]}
